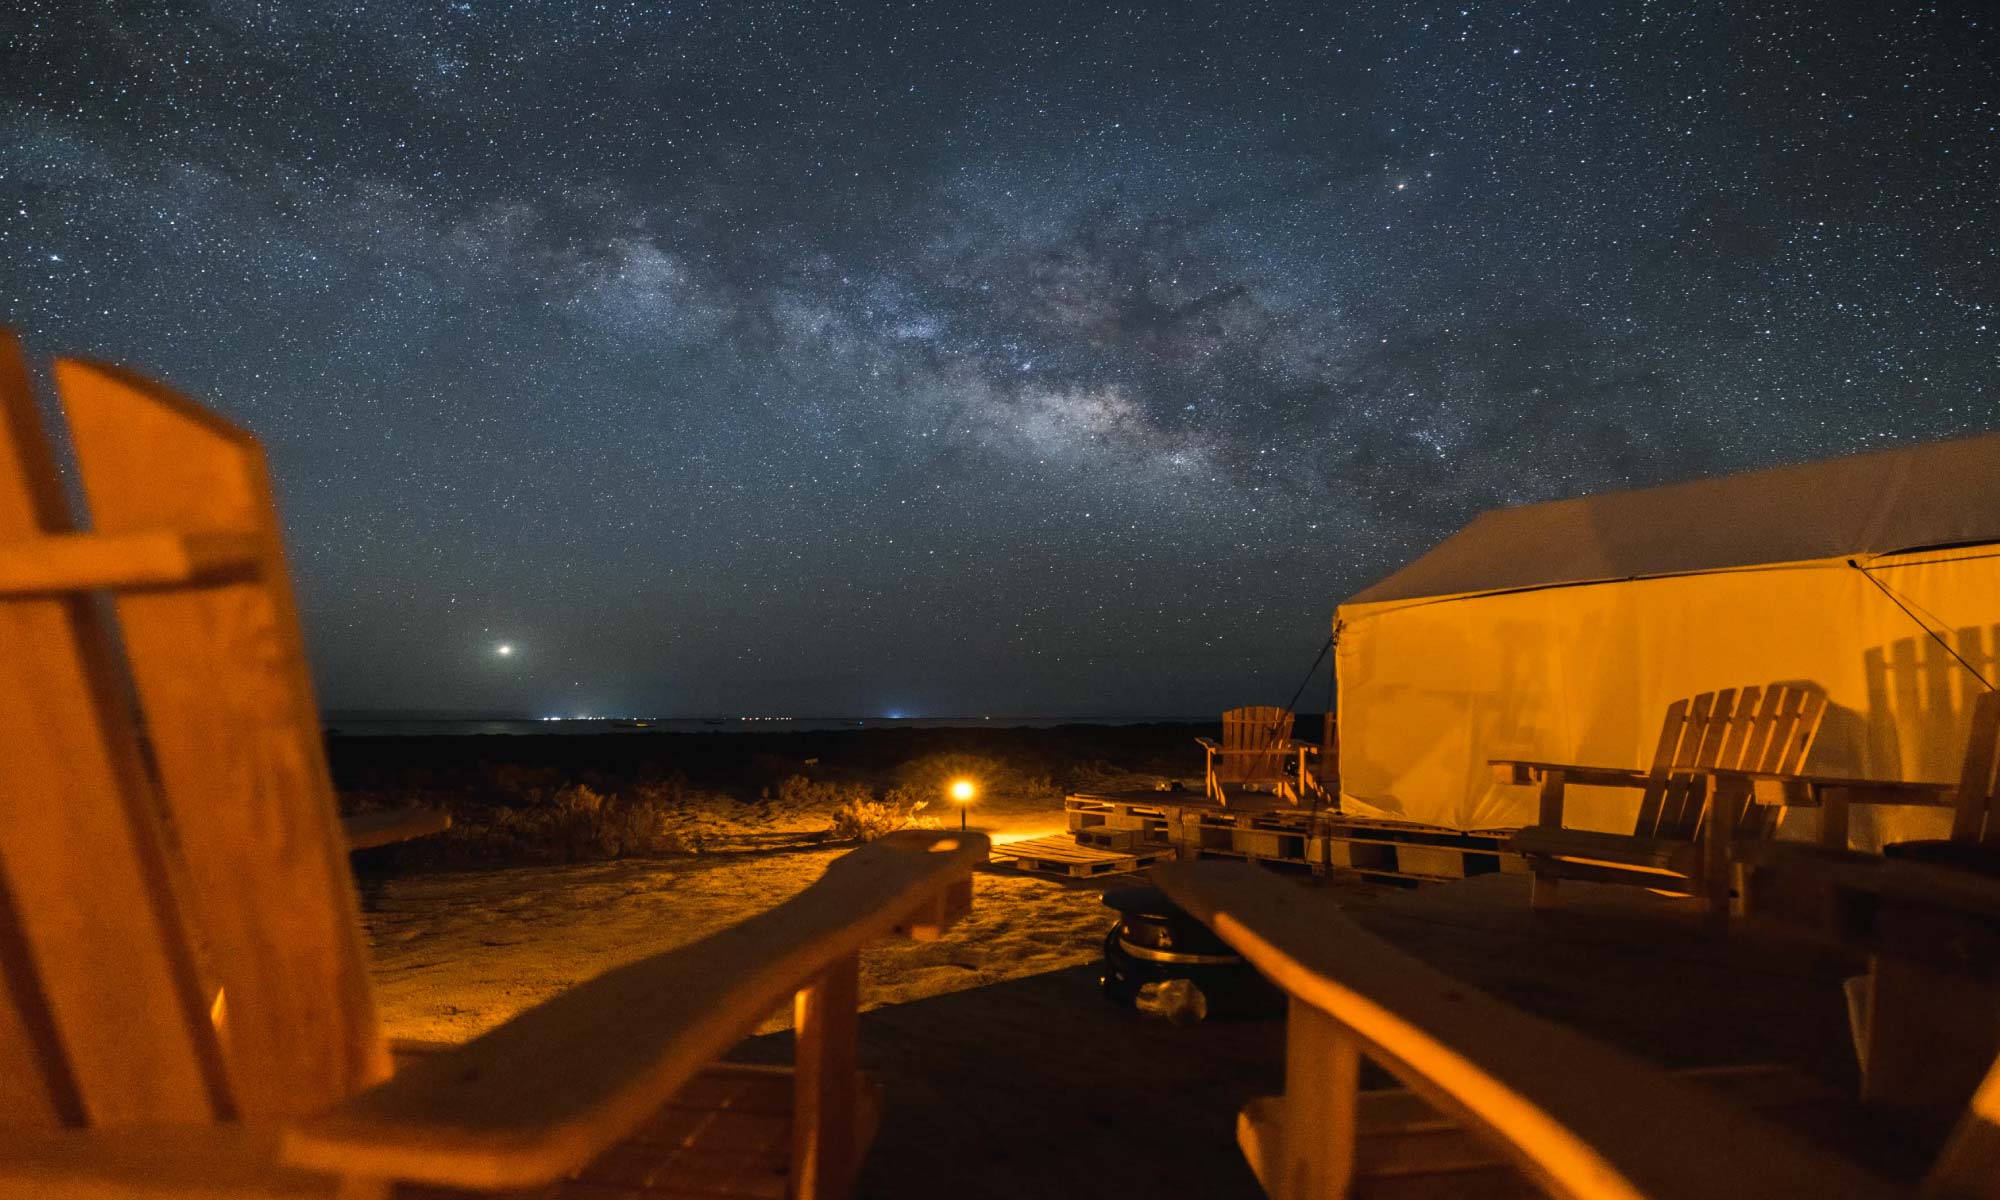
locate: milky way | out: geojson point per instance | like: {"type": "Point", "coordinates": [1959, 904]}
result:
{"type": "Point", "coordinates": [968, 358]}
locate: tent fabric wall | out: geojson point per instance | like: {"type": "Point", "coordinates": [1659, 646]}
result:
{"type": "Point", "coordinates": [1432, 687]}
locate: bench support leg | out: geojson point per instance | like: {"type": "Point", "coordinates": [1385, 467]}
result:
{"type": "Point", "coordinates": [826, 1101]}
{"type": "Point", "coordinates": [1322, 1078]}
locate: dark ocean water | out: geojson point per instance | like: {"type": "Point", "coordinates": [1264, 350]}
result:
{"type": "Point", "coordinates": [395, 725]}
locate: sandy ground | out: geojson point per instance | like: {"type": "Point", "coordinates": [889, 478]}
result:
{"type": "Point", "coordinates": [455, 953]}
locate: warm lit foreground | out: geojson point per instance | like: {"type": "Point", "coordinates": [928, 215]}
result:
{"type": "Point", "coordinates": [455, 953]}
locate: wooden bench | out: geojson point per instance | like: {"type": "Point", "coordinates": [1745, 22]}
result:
{"type": "Point", "coordinates": [186, 1007]}
{"type": "Point", "coordinates": [1499, 1102]}
{"type": "Point", "coordinates": [1680, 840]}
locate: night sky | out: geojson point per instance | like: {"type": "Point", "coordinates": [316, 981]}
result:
{"type": "Point", "coordinates": [969, 358]}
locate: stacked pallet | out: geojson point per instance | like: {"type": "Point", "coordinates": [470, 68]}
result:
{"type": "Point", "coordinates": [1317, 840]}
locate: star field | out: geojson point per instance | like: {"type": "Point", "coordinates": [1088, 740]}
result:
{"type": "Point", "coordinates": [969, 358]}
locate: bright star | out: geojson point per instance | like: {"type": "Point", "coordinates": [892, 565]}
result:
{"type": "Point", "coordinates": [504, 649]}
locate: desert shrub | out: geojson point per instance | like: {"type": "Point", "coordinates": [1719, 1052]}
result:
{"type": "Point", "coordinates": [511, 783]}
{"type": "Point", "coordinates": [531, 816]}
{"type": "Point", "coordinates": [1097, 775]}
{"type": "Point", "coordinates": [852, 811]}
{"type": "Point", "coordinates": [798, 793]}
{"type": "Point", "coordinates": [865, 820]}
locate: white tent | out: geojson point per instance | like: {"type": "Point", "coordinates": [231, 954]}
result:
{"type": "Point", "coordinates": [1561, 632]}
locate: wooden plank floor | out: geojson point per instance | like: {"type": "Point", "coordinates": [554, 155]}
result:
{"type": "Point", "coordinates": [1039, 1087]}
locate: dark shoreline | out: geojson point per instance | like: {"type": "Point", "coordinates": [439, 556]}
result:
{"type": "Point", "coordinates": [734, 761]}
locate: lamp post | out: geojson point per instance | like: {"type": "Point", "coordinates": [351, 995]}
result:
{"type": "Point", "coordinates": [961, 793]}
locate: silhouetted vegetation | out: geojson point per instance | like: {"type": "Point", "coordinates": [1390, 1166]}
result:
{"type": "Point", "coordinates": [535, 799]}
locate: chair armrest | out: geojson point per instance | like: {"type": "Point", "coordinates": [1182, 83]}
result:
{"type": "Point", "coordinates": [1214, 747]}
{"type": "Point", "coordinates": [1579, 1117]}
{"type": "Point", "coordinates": [1521, 770]}
{"type": "Point", "coordinates": [1768, 784]}
{"type": "Point", "coordinates": [161, 1162]}
{"type": "Point", "coordinates": [552, 1088]}
{"type": "Point", "coordinates": [364, 831]}
{"type": "Point", "coordinates": [1930, 886]}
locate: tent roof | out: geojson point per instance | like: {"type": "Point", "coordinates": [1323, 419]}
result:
{"type": "Point", "coordinates": [1939, 494]}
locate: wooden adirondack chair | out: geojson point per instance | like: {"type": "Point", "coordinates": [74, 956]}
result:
{"type": "Point", "coordinates": [1253, 755]}
{"type": "Point", "coordinates": [1687, 820]}
{"type": "Point", "coordinates": [1498, 1102]}
{"type": "Point", "coordinates": [186, 1007]}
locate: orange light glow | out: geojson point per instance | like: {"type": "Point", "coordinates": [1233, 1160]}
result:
{"type": "Point", "coordinates": [961, 790]}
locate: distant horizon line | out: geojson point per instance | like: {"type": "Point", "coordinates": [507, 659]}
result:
{"type": "Point", "coordinates": [373, 714]}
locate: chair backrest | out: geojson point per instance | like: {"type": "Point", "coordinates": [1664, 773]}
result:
{"type": "Point", "coordinates": [1973, 819]}
{"type": "Point", "coordinates": [1744, 729]}
{"type": "Point", "coordinates": [178, 929]}
{"type": "Point", "coordinates": [1254, 740]}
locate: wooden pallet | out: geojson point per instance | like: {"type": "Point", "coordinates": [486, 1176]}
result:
{"type": "Point", "coordinates": [1321, 840]}
{"type": "Point", "coordinates": [1057, 854]}
{"type": "Point", "coordinates": [1105, 838]}
{"type": "Point", "coordinates": [1150, 817]}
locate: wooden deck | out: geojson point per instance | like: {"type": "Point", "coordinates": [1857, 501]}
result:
{"type": "Point", "coordinates": [1050, 1090]}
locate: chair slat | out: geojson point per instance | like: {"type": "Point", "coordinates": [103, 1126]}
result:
{"type": "Point", "coordinates": [106, 1022]}
{"type": "Point", "coordinates": [1653, 799]}
{"type": "Point", "coordinates": [1766, 741]}
{"type": "Point", "coordinates": [220, 675]}
{"type": "Point", "coordinates": [1680, 804]}
{"type": "Point", "coordinates": [1728, 732]}
{"type": "Point", "coordinates": [1740, 727]}
{"type": "Point", "coordinates": [1797, 730]}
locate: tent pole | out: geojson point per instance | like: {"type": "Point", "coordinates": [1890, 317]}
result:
{"type": "Point", "coordinates": [1329, 741]}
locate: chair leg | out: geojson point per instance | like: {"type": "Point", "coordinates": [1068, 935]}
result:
{"type": "Point", "coordinates": [1833, 819]}
{"type": "Point", "coordinates": [1718, 834]}
{"type": "Point", "coordinates": [826, 1099]}
{"type": "Point", "coordinates": [1549, 814]}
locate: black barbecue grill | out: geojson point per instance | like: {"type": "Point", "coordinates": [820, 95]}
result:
{"type": "Point", "coordinates": [1162, 961]}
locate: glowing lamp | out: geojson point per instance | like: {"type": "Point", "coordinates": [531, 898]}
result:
{"type": "Point", "coordinates": [961, 791]}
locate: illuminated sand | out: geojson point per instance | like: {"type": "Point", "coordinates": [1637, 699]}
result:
{"type": "Point", "coordinates": [455, 953]}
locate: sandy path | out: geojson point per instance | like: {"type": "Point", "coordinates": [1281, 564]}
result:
{"type": "Point", "coordinates": [455, 953]}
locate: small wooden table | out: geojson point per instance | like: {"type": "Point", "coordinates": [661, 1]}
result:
{"type": "Point", "coordinates": [1930, 1024]}
{"type": "Point", "coordinates": [1833, 795]}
